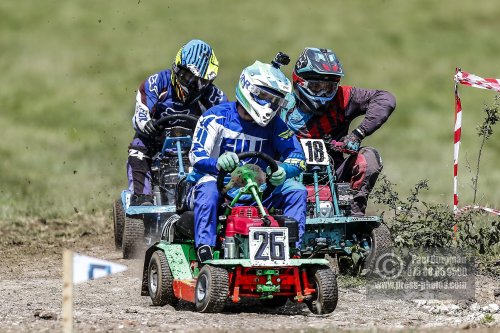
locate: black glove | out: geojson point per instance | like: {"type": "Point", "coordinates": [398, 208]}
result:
{"type": "Point", "coordinates": [353, 141]}
{"type": "Point", "coordinates": [151, 129]}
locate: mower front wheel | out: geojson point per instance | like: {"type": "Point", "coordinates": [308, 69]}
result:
{"type": "Point", "coordinates": [212, 289]}
{"type": "Point", "coordinates": [380, 243]}
{"type": "Point", "coordinates": [327, 293]}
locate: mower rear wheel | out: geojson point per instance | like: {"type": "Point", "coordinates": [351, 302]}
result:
{"type": "Point", "coordinates": [160, 280]}
{"type": "Point", "coordinates": [212, 289]}
{"type": "Point", "coordinates": [275, 302]}
{"type": "Point", "coordinates": [118, 222]}
{"type": "Point", "coordinates": [381, 242]}
{"type": "Point", "coordinates": [327, 293]}
{"type": "Point", "coordinates": [133, 238]}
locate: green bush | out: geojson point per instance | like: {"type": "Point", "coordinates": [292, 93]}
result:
{"type": "Point", "coordinates": [416, 223]}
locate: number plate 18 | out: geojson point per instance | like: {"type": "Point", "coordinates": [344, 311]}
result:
{"type": "Point", "coordinates": [315, 151]}
{"type": "Point", "coordinates": [269, 246]}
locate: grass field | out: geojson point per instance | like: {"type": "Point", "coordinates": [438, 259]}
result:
{"type": "Point", "coordinates": [69, 71]}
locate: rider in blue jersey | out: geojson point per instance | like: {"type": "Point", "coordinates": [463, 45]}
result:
{"type": "Point", "coordinates": [246, 125]}
{"type": "Point", "coordinates": [185, 89]}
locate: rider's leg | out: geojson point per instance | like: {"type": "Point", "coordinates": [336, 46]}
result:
{"type": "Point", "coordinates": [139, 171]}
{"type": "Point", "coordinates": [205, 200]}
{"type": "Point", "coordinates": [362, 171]}
{"type": "Point", "coordinates": [292, 198]}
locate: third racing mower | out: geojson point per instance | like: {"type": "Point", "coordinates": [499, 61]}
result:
{"type": "Point", "coordinates": [330, 228]}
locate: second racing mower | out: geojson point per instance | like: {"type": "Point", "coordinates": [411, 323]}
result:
{"type": "Point", "coordinates": [138, 226]}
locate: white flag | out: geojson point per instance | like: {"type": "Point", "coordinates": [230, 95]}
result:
{"type": "Point", "coordinates": [87, 268]}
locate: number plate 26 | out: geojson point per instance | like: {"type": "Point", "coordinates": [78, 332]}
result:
{"type": "Point", "coordinates": [315, 151]}
{"type": "Point", "coordinates": [269, 246]}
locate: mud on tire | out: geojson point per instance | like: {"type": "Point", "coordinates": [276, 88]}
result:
{"type": "Point", "coordinates": [381, 242]}
{"type": "Point", "coordinates": [327, 293]}
{"type": "Point", "coordinates": [212, 289]}
{"type": "Point", "coordinates": [133, 238]}
{"type": "Point", "coordinates": [160, 280]}
{"type": "Point", "coordinates": [118, 222]}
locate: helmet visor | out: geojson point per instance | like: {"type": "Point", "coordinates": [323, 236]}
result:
{"type": "Point", "coordinates": [188, 80]}
{"type": "Point", "coordinates": [320, 88]}
{"type": "Point", "coordinates": [264, 97]}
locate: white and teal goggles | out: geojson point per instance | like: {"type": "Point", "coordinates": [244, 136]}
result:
{"type": "Point", "coordinates": [264, 96]}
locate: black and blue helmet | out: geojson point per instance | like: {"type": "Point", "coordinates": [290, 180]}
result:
{"type": "Point", "coordinates": [316, 78]}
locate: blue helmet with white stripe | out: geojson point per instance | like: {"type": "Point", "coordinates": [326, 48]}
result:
{"type": "Point", "coordinates": [262, 91]}
{"type": "Point", "coordinates": [194, 68]}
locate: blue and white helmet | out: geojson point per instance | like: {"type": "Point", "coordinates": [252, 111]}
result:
{"type": "Point", "coordinates": [262, 91]}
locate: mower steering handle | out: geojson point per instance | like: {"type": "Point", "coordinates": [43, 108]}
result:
{"type": "Point", "coordinates": [257, 154]}
{"type": "Point", "coordinates": [251, 154]}
{"type": "Point", "coordinates": [166, 121]}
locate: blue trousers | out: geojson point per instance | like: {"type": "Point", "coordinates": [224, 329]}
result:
{"type": "Point", "coordinates": [291, 197]}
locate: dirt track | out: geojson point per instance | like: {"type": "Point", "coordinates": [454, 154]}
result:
{"type": "Point", "coordinates": [31, 297]}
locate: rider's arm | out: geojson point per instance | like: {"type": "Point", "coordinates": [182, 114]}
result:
{"type": "Point", "coordinates": [147, 96]}
{"type": "Point", "coordinates": [294, 164]}
{"type": "Point", "coordinates": [376, 105]}
{"type": "Point", "coordinates": [204, 140]}
{"type": "Point", "coordinates": [289, 148]}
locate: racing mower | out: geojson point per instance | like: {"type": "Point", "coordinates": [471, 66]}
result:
{"type": "Point", "coordinates": [251, 259]}
{"type": "Point", "coordinates": [330, 228]}
{"type": "Point", "coordinates": [137, 226]}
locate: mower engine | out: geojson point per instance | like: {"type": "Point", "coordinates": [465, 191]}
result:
{"type": "Point", "coordinates": [168, 178]}
{"type": "Point", "coordinates": [239, 222]}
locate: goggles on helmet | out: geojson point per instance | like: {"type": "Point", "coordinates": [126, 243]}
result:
{"type": "Point", "coordinates": [320, 88]}
{"type": "Point", "coordinates": [188, 79]}
{"type": "Point", "coordinates": [264, 97]}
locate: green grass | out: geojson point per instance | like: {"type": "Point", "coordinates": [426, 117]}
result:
{"type": "Point", "coordinates": [69, 71]}
{"type": "Point", "coordinates": [487, 319]}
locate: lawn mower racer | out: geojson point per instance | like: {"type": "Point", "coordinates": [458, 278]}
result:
{"type": "Point", "coordinates": [185, 89]}
{"type": "Point", "coordinates": [341, 174]}
{"type": "Point", "coordinates": [246, 125]}
{"type": "Point", "coordinates": [137, 226]}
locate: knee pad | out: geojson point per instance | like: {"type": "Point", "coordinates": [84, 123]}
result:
{"type": "Point", "coordinates": [372, 157]}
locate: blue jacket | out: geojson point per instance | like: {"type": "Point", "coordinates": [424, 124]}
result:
{"type": "Point", "coordinates": [156, 98]}
{"type": "Point", "coordinates": [221, 129]}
